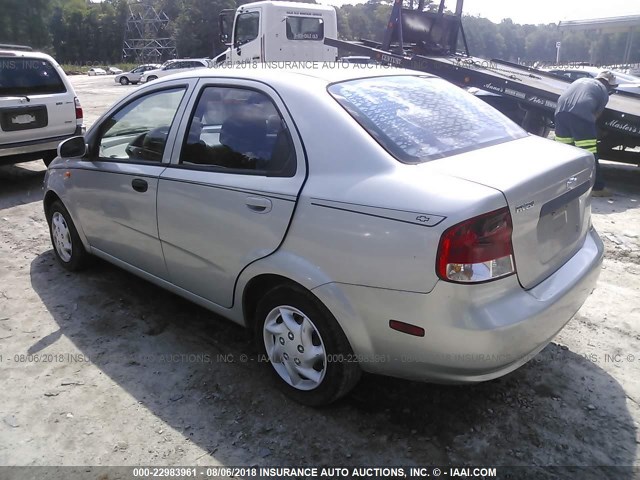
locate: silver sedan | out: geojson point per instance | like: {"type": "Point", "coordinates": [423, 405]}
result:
{"type": "Point", "coordinates": [353, 219]}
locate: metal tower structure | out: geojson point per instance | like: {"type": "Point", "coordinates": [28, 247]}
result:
{"type": "Point", "coordinates": [145, 37]}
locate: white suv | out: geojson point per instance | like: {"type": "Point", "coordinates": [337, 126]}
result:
{"type": "Point", "coordinates": [175, 66]}
{"type": "Point", "coordinates": [38, 106]}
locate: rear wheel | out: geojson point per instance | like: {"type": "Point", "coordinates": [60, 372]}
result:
{"type": "Point", "coordinates": [536, 123]}
{"type": "Point", "coordinates": [151, 78]}
{"type": "Point", "coordinates": [124, 81]}
{"type": "Point", "coordinates": [309, 355]}
{"type": "Point", "coordinates": [67, 245]}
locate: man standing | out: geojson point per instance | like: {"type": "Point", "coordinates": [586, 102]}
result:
{"type": "Point", "coordinates": [578, 108]}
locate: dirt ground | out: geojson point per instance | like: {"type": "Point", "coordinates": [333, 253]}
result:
{"type": "Point", "coordinates": [102, 368]}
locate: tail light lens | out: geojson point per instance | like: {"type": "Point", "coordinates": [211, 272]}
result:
{"type": "Point", "coordinates": [79, 112]}
{"type": "Point", "coordinates": [478, 249]}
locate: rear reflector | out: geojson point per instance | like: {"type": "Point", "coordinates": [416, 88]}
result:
{"type": "Point", "coordinates": [478, 249]}
{"type": "Point", "coordinates": [406, 328]}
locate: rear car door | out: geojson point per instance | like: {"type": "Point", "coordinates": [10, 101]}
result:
{"type": "Point", "coordinates": [229, 194]}
{"type": "Point", "coordinates": [35, 102]}
{"type": "Point", "coordinates": [115, 190]}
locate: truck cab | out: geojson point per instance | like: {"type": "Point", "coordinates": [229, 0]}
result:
{"type": "Point", "coordinates": [272, 31]}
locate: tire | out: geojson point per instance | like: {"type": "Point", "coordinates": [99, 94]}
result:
{"type": "Point", "coordinates": [67, 245]}
{"type": "Point", "coordinates": [151, 78]}
{"type": "Point", "coordinates": [536, 123]}
{"type": "Point", "coordinates": [282, 315]}
{"type": "Point", "coordinates": [124, 81]}
{"type": "Point", "coordinates": [48, 158]}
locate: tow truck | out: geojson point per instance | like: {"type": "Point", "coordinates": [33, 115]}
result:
{"type": "Point", "coordinates": [435, 42]}
{"type": "Point", "coordinates": [431, 41]}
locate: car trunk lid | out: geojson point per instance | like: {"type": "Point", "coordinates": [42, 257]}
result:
{"type": "Point", "coordinates": [546, 186]}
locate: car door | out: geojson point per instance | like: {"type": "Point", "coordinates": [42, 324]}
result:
{"type": "Point", "coordinates": [229, 194]}
{"type": "Point", "coordinates": [247, 46]}
{"type": "Point", "coordinates": [115, 190]}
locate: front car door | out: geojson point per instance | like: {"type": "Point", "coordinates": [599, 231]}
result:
{"type": "Point", "coordinates": [229, 194]}
{"type": "Point", "coordinates": [114, 190]}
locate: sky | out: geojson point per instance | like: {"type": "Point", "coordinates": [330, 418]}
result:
{"type": "Point", "coordinates": [537, 11]}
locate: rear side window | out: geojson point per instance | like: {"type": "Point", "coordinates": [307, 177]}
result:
{"type": "Point", "coordinates": [28, 76]}
{"type": "Point", "coordinates": [237, 130]}
{"type": "Point", "coordinates": [305, 28]}
{"type": "Point", "coordinates": [417, 119]}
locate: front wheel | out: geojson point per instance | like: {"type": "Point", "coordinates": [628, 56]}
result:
{"type": "Point", "coordinates": [151, 78]}
{"type": "Point", "coordinates": [67, 245]}
{"type": "Point", "coordinates": [124, 81]}
{"type": "Point", "coordinates": [309, 355]}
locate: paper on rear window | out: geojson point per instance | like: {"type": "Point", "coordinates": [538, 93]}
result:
{"type": "Point", "coordinates": [417, 119]}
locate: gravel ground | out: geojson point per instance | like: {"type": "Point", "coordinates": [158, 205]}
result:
{"type": "Point", "coordinates": [102, 368]}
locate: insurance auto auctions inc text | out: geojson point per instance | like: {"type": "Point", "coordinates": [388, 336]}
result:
{"type": "Point", "coordinates": [377, 472]}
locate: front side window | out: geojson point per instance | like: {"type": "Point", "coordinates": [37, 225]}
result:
{"type": "Point", "coordinates": [138, 131]}
{"type": "Point", "coordinates": [247, 28]}
{"type": "Point", "coordinates": [28, 76]}
{"type": "Point", "coordinates": [238, 129]}
{"type": "Point", "coordinates": [304, 28]}
{"type": "Point", "coordinates": [417, 119]}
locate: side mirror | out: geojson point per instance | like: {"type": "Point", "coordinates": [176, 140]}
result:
{"type": "Point", "coordinates": [225, 24]}
{"type": "Point", "coordinates": [72, 147]}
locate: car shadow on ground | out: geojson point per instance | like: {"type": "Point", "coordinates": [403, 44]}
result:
{"type": "Point", "coordinates": [21, 183]}
{"type": "Point", "coordinates": [184, 365]}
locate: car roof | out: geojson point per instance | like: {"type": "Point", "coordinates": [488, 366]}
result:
{"type": "Point", "coordinates": [283, 72]}
{"type": "Point", "coordinates": [26, 54]}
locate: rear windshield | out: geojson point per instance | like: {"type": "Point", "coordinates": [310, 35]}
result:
{"type": "Point", "coordinates": [28, 76]}
{"type": "Point", "coordinates": [417, 119]}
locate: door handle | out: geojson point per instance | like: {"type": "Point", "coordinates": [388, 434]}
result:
{"type": "Point", "coordinates": [139, 185]}
{"type": "Point", "coordinates": [259, 204]}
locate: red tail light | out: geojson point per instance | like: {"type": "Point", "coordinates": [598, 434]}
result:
{"type": "Point", "coordinates": [79, 113]}
{"type": "Point", "coordinates": [478, 249]}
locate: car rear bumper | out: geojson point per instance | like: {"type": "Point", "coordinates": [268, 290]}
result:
{"type": "Point", "coordinates": [34, 147]}
{"type": "Point", "coordinates": [473, 333]}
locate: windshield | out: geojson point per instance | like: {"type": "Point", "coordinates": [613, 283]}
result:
{"type": "Point", "coordinates": [28, 76]}
{"type": "Point", "coordinates": [417, 119]}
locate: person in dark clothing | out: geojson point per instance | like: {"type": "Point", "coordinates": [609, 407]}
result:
{"type": "Point", "coordinates": [578, 109]}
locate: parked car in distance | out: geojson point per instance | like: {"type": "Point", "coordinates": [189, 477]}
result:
{"type": "Point", "coordinates": [134, 75]}
{"type": "Point", "coordinates": [175, 66]}
{"type": "Point", "coordinates": [626, 83]}
{"type": "Point", "coordinates": [114, 71]}
{"type": "Point", "coordinates": [93, 71]}
{"type": "Point", "coordinates": [38, 106]}
{"type": "Point", "coordinates": [382, 221]}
